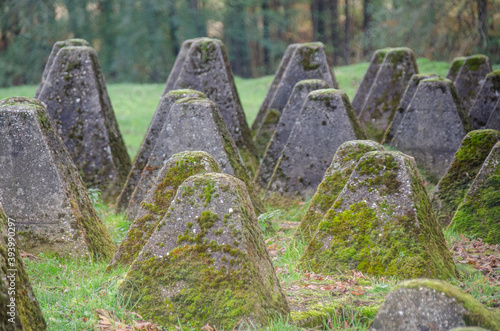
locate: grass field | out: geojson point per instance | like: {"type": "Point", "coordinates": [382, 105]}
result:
{"type": "Point", "coordinates": [81, 295]}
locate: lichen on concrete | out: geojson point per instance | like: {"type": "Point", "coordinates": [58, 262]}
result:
{"type": "Point", "coordinates": [467, 162]}
{"type": "Point", "coordinates": [207, 261]}
{"type": "Point", "coordinates": [345, 160]}
{"type": "Point", "coordinates": [177, 169]}
{"type": "Point", "coordinates": [381, 224]}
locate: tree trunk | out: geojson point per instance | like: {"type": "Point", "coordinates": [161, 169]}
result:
{"type": "Point", "coordinates": [199, 23]}
{"type": "Point", "coordinates": [482, 13]}
{"type": "Point", "coordinates": [346, 33]}
{"type": "Point", "coordinates": [366, 27]}
{"type": "Point", "coordinates": [334, 29]}
{"type": "Point", "coordinates": [173, 28]}
{"type": "Point", "coordinates": [315, 18]}
{"type": "Point", "coordinates": [267, 37]}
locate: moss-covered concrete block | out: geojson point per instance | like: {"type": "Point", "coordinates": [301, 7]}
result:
{"type": "Point", "coordinates": [301, 61]}
{"type": "Point", "coordinates": [403, 105]}
{"type": "Point", "coordinates": [192, 124]}
{"type": "Point", "coordinates": [284, 127]}
{"type": "Point", "coordinates": [479, 213]}
{"type": "Point", "coordinates": [467, 162]}
{"type": "Point", "coordinates": [366, 83]}
{"type": "Point", "coordinates": [20, 309]}
{"type": "Point", "coordinates": [433, 127]}
{"type": "Point", "coordinates": [325, 122]}
{"type": "Point", "coordinates": [345, 160]}
{"type": "Point", "coordinates": [386, 91]}
{"type": "Point", "coordinates": [429, 304]}
{"type": "Point", "coordinates": [78, 103]}
{"type": "Point", "coordinates": [149, 142]}
{"type": "Point", "coordinates": [468, 74]}
{"type": "Point", "coordinates": [206, 69]}
{"type": "Point", "coordinates": [177, 169]}
{"type": "Point", "coordinates": [41, 189]}
{"type": "Point", "coordinates": [57, 46]}
{"type": "Point", "coordinates": [206, 262]}
{"type": "Point", "coordinates": [381, 224]}
{"type": "Point", "coordinates": [486, 102]}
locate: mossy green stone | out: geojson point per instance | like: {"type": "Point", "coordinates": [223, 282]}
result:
{"type": "Point", "coordinates": [192, 272]}
{"type": "Point", "coordinates": [381, 224]}
{"type": "Point", "coordinates": [334, 180]}
{"type": "Point", "coordinates": [455, 67]}
{"type": "Point", "coordinates": [177, 169]}
{"type": "Point", "coordinates": [479, 213]}
{"type": "Point", "coordinates": [467, 162]}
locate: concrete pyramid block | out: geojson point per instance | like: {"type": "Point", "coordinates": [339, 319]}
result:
{"type": "Point", "coordinates": [177, 169]}
{"type": "Point", "coordinates": [192, 124]}
{"type": "Point", "coordinates": [467, 162]}
{"type": "Point", "coordinates": [469, 78]}
{"type": "Point", "coordinates": [78, 103]}
{"type": "Point", "coordinates": [206, 262]}
{"type": "Point", "coordinates": [325, 122]}
{"type": "Point", "coordinates": [433, 127]}
{"type": "Point", "coordinates": [386, 91]}
{"type": "Point", "coordinates": [40, 187]}
{"type": "Point", "coordinates": [178, 64]}
{"type": "Point", "coordinates": [285, 125]}
{"type": "Point", "coordinates": [381, 224]}
{"type": "Point", "coordinates": [149, 142]}
{"type": "Point", "coordinates": [20, 309]}
{"type": "Point", "coordinates": [479, 213]}
{"type": "Point", "coordinates": [494, 120]}
{"type": "Point", "coordinates": [345, 160]}
{"type": "Point", "coordinates": [404, 103]}
{"type": "Point", "coordinates": [302, 61]}
{"type": "Point", "coordinates": [486, 102]}
{"type": "Point", "coordinates": [430, 304]}
{"type": "Point", "coordinates": [371, 73]}
{"type": "Point", "coordinates": [57, 46]}
{"type": "Point", "coordinates": [206, 69]}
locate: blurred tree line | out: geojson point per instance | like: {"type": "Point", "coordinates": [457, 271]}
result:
{"type": "Point", "coordinates": [137, 40]}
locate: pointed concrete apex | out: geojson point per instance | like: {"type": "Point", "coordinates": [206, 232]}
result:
{"type": "Point", "coordinates": [207, 262]}
{"type": "Point", "coordinates": [386, 91]}
{"type": "Point", "coordinates": [487, 102]}
{"type": "Point", "coordinates": [381, 224]}
{"type": "Point", "coordinates": [306, 61]}
{"type": "Point", "coordinates": [479, 212]}
{"type": "Point", "coordinates": [325, 122]}
{"type": "Point", "coordinates": [177, 169]}
{"type": "Point", "coordinates": [149, 142]}
{"type": "Point", "coordinates": [345, 160]}
{"type": "Point", "coordinates": [57, 46]}
{"type": "Point", "coordinates": [453, 186]}
{"type": "Point", "coordinates": [433, 127]}
{"type": "Point", "coordinates": [40, 188]}
{"type": "Point", "coordinates": [78, 103]}
{"type": "Point", "coordinates": [285, 125]}
{"type": "Point", "coordinates": [403, 105]}
{"type": "Point", "coordinates": [206, 69]}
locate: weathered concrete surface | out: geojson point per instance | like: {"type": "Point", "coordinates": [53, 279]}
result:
{"type": "Point", "coordinates": [325, 122]}
{"type": "Point", "coordinates": [403, 105]}
{"type": "Point", "coordinates": [178, 64]}
{"type": "Point", "coordinates": [307, 61]}
{"type": "Point", "coordinates": [78, 103]}
{"type": "Point", "coordinates": [177, 169]}
{"type": "Point", "coordinates": [40, 187]}
{"type": "Point", "coordinates": [57, 46]}
{"type": "Point", "coordinates": [494, 120]}
{"type": "Point", "coordinates": [286, 123]}
{"type": "Point", "coordinates": [381, 224]}
{"type": "Point", "coordinates": [25, 313]}
{"type": "Point", "coordinates": [386, 91]}
{"type": "Point", "coordinates": [345, 160]}
{"type": "Point", "coordinates": [469, 78]}
{"type": "Point", "coordinates": [433, 127]}
{"type": "Point", "coordinates": [487, 101]}
{"type": "Point", "coordinates": [467, 162]}
{"type": "Point", "coordinates": [428, 304]}
{"type": "Point", "coordinates": [206, 262]}
{"type": "Point", "coordinates": [371, 73]}
{"type": "Point", "coordinates": [149, 142]}
{"type": "Point", "coordinates": [207, 69]}
{"type": "Point", "coordinates": [479, 213]}
{"type": "Point", "coordinates": [192, 124]}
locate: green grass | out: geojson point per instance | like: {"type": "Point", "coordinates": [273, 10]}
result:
{"type": "Point", "coordinates": [72, 291]}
